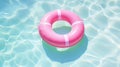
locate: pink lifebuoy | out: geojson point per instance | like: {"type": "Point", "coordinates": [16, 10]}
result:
{"type": "Point", "coordinates": [58, 40]}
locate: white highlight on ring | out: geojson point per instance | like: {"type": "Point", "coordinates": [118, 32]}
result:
{"type": "Point", "coordinates": [46, 18]}
{"type": "Point", "coordinates": [46, 23]}
{"type": "Point", "coordinates": [77, 22]}
{"type": "Point", "coordinates": [66, 40]}
{"type": "Point", "coordinates": [59, 14]}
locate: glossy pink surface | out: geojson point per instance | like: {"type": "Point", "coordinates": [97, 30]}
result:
{"type": "Point", "coordinates": [57, 40]}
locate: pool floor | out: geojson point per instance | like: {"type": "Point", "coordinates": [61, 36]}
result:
{"type": "Point", "coordinates": [22, 46]}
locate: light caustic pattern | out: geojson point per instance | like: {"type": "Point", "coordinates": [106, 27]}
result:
{"type": "Point", "coordinates": [21, 45]}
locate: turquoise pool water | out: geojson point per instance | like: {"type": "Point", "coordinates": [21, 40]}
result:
{"type": "Point", "coordinates": [21, 45]}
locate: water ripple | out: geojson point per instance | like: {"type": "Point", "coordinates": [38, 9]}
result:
{"type": "Point", "coordinates": [21, 45]}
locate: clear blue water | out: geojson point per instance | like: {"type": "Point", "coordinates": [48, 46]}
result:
{"type": "Point", "coordinates": [21, 45]}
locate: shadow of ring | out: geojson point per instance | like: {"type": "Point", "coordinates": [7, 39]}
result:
{"type": "Point", "coordinates": [71, 54]}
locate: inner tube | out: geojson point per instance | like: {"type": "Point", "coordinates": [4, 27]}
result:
{"type": "Point", "coordinates": [61, 40]}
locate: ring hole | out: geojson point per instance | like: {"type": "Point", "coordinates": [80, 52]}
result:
{"type": "Point", "coordinates": [61, 27]}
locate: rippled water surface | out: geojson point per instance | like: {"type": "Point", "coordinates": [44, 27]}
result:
{"type": "Point", "coordinates": [21, 45]}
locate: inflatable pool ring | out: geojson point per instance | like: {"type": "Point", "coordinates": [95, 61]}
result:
{"type": "Point", "coordinates": [61, 40]}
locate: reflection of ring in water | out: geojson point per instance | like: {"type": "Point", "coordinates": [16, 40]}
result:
{"type": "Point", "coordinates": [71, 54]}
